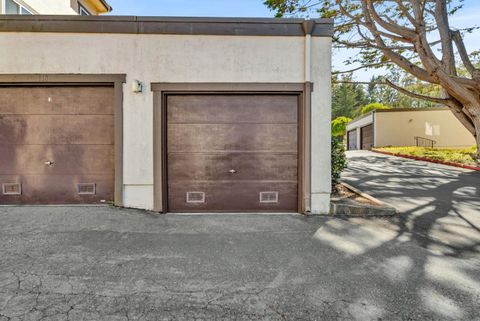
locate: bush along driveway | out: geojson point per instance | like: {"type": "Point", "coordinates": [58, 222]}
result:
{"type": "Point", "coordinates": [448, 156]}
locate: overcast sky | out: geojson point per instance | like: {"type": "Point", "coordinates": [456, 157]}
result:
{"type": "Point", "coordinates": [467, 17]}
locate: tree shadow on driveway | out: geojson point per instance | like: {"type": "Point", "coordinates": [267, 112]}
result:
{"type": "Point", "coordinates": [432, 247]}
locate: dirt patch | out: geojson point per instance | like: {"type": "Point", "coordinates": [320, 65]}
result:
{"type": "Point", "coordinates": [342, 192]}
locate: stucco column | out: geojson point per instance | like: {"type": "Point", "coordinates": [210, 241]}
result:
{"type": "Point", "coordinates": [320, 125]}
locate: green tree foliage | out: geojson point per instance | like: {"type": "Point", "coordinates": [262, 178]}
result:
{"type": "Point", "coordinates": [347, 97]}
{"type": "Point", "coordinates": [371, 107]}
{"type": "Point", "coordinates": [339, 126]}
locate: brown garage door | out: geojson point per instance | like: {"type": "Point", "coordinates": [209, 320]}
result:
{"type": "Point", "coordinates": [56, 144]}
{"type": "Point", "coordinates": [352, 139]}
{"type": "Point", "coordinates": [232, 153]}
{"type": "Point", "coordinates": [367, 137]}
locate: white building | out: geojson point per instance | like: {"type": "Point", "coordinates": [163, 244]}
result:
{"type": "Point", "coordinates": [54, 7]}
{"type": "Point", "coordinates": [166, 114]}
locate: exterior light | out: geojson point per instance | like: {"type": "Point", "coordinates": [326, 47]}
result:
{"type": "Point", "coordinates": [137, 86]}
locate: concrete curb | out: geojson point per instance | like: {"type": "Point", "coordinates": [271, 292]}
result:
{"type": "Point", "coordinates": [342, 206]}
{"type": "Point", "coordinates": [475, 168]}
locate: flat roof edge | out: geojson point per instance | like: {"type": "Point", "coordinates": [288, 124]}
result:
{"type": "Point", "coordinates": [166, 25]}
{"type": "Point", "coordinates": [393, 110]}
{"type": "Point", "coordinates": [356, 119]}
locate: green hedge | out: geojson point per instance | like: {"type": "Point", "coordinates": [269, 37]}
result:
{"type": "Point", "coordinates": [339, 159]}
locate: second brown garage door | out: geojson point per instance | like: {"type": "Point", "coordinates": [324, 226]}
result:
{"type": "Point", "coordinates": [367, 137]}
{"type": "Point", "coordinates": [56, 144]}
{"type": "Point", "coordinates": [232, 153]}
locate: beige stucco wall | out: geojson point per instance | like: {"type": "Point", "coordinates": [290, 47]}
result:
{"type": "Point", "coordinates": [400, 128]}
{"type": "Point", "coordinates": [52, 7]}
{"type": "Point", "coordinates": [178, 58]}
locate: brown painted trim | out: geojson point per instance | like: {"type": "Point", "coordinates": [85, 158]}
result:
{"type": "Point", "coordinates": [118, 189]}
{"type": "Point", "coordinates": [116, 80]}
{"type": "Point", "coordinates": [228, 87]}
{"type": "Point", "coordinates": [167, 25]}
{"type": "Point", "coordinates": [162, 90]}
{"type": "Point", "coordinates": [61, 78]}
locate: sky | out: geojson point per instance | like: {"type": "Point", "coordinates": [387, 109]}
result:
{"type": "Point", "coordinates": [469, 16]}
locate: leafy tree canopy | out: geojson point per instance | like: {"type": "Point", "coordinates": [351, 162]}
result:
{"type": "Point", "coordinates": [415, 36]}
{"type": "Point", "coordinates": [339, 126]}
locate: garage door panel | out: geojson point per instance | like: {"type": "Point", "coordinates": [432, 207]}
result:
{"type": "Point", "coordinates": [232, 109]}
{"type": "Point", "coordinates": [57, 100]}
{"type": "Point", "coordinates": [67, 159]}
{"type": "Point", "coordinates": [233, 196]}
{"type": "Point", "coordinates": [367, 137]}
{"type": "Point", "coordinates": [56, 129]}
{"type": "Point", "coordinates": [248, 166]}
{"type": "Point", "coordinates": [231, 148]}
{"type": "Point", "coordinates": [232, 137]}
{"type": "Point", "coordinates": [57, 189]}
{"type": "Point", "coordinates": [54, 138]}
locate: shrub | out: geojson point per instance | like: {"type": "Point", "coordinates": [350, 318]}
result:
{"type": "Point", "coordinates": [339, 160]}
{"type": "Point", "coordinates": [373, 106]}
{"type": "Point", "coordinates": [339, 126]}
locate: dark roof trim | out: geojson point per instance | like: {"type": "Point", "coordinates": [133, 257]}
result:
{"type": "Point", "coordinates": [167, 25]}
{"type": "Point", "coordinates": [393, 110]}
{"type": "Point", "coordinates": [106, 5]}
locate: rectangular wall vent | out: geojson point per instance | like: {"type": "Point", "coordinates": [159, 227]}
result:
{"type": "Point", "coordinates": [268, 197]}
{"type": "Point", "coordinates": [195, 197]}
{"type": "Point", "coordinates": [86, 188]}
{"type": "Point", "coordinates": [12, 189]}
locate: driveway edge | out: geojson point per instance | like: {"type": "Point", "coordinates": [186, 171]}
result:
{"type": "Point", "coordinates": [348, 207]}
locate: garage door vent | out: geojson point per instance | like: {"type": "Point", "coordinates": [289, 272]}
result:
{"type": "Point", "coordinates": [12, 189]}
{"type": "Point", "coordinates": [86, 189]}
{"type": "Point", "coordinates": [268, 197]}
{"type": "Point", "coordinates": [195, 197]}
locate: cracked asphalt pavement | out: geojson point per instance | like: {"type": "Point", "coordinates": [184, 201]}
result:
{"type": "Point", "coordinates": [104, 263]}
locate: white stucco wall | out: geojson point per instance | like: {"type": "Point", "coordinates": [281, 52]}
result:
{"type": "Point", "coordinates": [179, 58]}
{"type": "Point", "coordinates": [321, 133]}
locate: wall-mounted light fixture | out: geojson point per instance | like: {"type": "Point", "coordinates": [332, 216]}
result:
{"type": "Point", "coordinates": [137, 86]}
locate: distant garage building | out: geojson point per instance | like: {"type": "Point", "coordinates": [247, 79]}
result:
{"type": "Point", "coordinates": [166, 114]}
{"type": "Point", "coordinates": [426, 127]}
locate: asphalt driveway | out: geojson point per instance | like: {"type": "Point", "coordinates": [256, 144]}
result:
{"type": "Point", "coordinates": [103, 263]}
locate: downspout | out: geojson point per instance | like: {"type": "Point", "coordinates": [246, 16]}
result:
{"type": "Point", "coordinates": [307, 144]}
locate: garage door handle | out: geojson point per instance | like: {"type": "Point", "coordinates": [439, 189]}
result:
{"type": "Point", "coordinates": [232, 171]}
{"type": "Point", "coordinates": [49, 163]}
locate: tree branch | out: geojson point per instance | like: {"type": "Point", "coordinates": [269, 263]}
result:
{"type": "Point", "coordinates": [462, 51]}
{"type": "Point", "coordinates": [373, 65]}
{"type": "Point", "coordinates": [415, 95]}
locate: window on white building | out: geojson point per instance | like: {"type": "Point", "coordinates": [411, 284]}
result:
{"type": "Point", "coordinates": [83, 11]}
{"type": "Point", "coordinates": [12, 7]}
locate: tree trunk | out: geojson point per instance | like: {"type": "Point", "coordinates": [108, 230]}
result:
{"type": "Point", "coordinates": [475, 112]}
{"type": "Point", "coordinates": [477, 135]}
